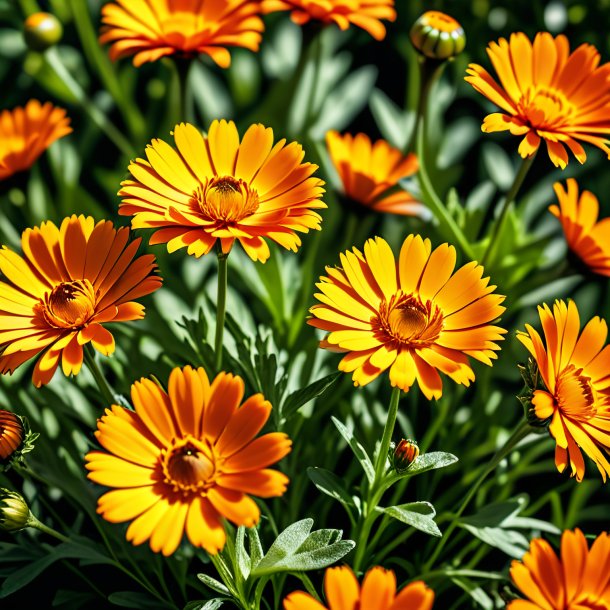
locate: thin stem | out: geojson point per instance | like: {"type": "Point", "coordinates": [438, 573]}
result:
{"type": "Point", "coordinates": [102, 384]}
{"type": "Point", "coordinates": [183, 68]}
{"type": "Point", "coordinates": [498, 228]}
{"type": "Point", "coordinates": [517, 436]}
{"type": "Point", "coordinates": [221, 306]}
{"type": "Point", "coordinates": [36, 524]}
{"type": "Point", "coordinates": [386, 439]}
{"type": "Point", "coordinates": [316, 45]}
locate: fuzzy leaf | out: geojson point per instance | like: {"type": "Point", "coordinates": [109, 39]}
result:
{"type": "Point", "coordinates": [357, 448]}
{"type": "Point", "coordinates": [300, 398]}
{"type": "Point", "coordinates": [419, 515]}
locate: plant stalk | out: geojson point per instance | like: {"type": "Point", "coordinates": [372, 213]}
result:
{"type": "Point", "coordinates": [221, 306]}
{"type": "Point", "coordinates": [104, 387]}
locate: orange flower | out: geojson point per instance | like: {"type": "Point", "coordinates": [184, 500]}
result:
{"type": "Point", "coordinates": [11, 433]}
{"type": "Point", "coordinates": [577, 581]}
{"type": "Point", "coordinates": [416, 317]}
{"type": "Point", "coordinates": [72, 280]}
{"type": "Point", "coordinates": [368, 171]}
{"type": "Point", "coordinates": [576, 374]}
{"type": "Point", "coordinates": [25, 133]}
{"type": "Point", "coordinates": [547, 93]}
{"type": "Point", "coordinates": [588, 239]}
{"type": "Point", "coordinates": [216, 188]}
{"type": "Point", "coordinates": [151, 29]}
{"type": "Point", "coordinates": [378, 592]}
{"type": "Point", "coordinates": [366, 14]}
{"type": "Point", "coordinates": [186, 459]}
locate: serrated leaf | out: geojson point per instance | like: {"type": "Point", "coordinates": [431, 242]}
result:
{"type": "Point", "coordinates": [357, 448]}
{"type": "Point", "coordinates": [213, 584]}
{"type": "Point", "coordinates": [419, 515]}
{"type": "Point", "coordinates": [331, 485]}
{"type": "Point", "coordinates": [301, 397]}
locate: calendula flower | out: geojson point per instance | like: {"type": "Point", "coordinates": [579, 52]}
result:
{"type": "Point", "coordinates": [365, 14]}
{"type": "Point", "coordinates": [547, 93]}
{"type": "Point", "coordinates": [12, 433]}
{"type": "Point", "coordinates": [25, 133]}
{"type": "Point", "coordinates": [71, 280]}
{"type": "Point", "coordinates": [216, 188]}
{"type": "Point", "coordinates": [378, 592]}
{"type": "Point", "coordinates": [186, 459]}
{"type": "Point", "coordinates": [588, 239]}
{"type": "Point", "coordinates": [370, 172]}
{"type": "Point", "coordinates": [578, 580]}
{"type": "Point", "coordinates": [151, 29]}
{"type": "Point", "coordinates": [576, 397]}
{"type": "Point", "coordinates": [415, 317]}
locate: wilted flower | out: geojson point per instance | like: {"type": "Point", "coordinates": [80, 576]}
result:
{"type": "Point", "coordinates": [41, 31]}
{"type": "Point", "coordinates": [151, 29]}
{"type": "Point", "coordinates": [378, 592]}
{"type": "Point", "coordinates": [370, 173]}
{"type": "Point", "coordinates": [576, 396]}
{"type": "Point", "coordinates": [14, 512]}
{"type": "Point", "coordinates": [403, 455]}
{"type": "Point", "coordinates": [547, 93]}
{"type": "Point", "coordinates": [580, 579]}
{"type": "Point", "coordinates": [415, 317]}
{"type": "Point", "coordinates": [216, 188]}
{"type": "Point", "coordinates": [71, 281]}
{"type": "Point", "coordinates": [588, 239]}
{"type": "Point", "coordinates": [186, 459]}
{"type": "Point", "coordinates": [438, 36]}
{"type": "Point", "coordinates": [25, 133]}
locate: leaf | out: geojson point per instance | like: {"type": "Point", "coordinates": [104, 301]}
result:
{"type": "Point", "coordinates": [256, 549]}
{"type": "Point", "coordinates": [498, 165]}
{"type": "Point", "coordinates": [331, 485]}
{"type": "Point", "coordinates": [213, 584]}
{"type": "Point", "coordinates": [457, 139]}
{"type": "Point", "coordinates": [357, 448]}
{"type": "Point", "coordinates": [300, 398]}
{"type": "Point", "coordinates": [241, 557]}
{"type": "Point", "coordinates": [395, 125]}
{"type": "Point", "coordinates": [477, 594]}
{"type": "Point", "coordinates": [419, 515]}
{"type": "Point", "coordinates": [133, 599]}
{"type": "Point", "coordinates": [511, 542]}
{"type": "Point", "coordinates": [425, 462]}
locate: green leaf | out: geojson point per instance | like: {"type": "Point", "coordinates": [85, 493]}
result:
{"type": "Point", "coordinates": [395, 125]}
{"type": "Point", "coordinates": [213, 584]}
{"type": "Point", "coordinates": [419, 515]}
{"type": "Point", "coordinates": [133, 599]}
{"type": "Point", "coordinates": [511, 542]}
{"type": "Point", "coordinates": [498, 165]}
{"type": "Point", "coordinates": [241, 556]}
{"type": "Point", "coordinates": [256, 549]}
{"type": "Point", "coordinates": [331, 485]}
{"type": "Point", "coordinates": [477, 594]}
{"type": "Point", "coordinates": [300, 398]}
{"type": "Point", "coordinates": [457, 139]}
{"type": "Point", "coordinates": [357, 448]}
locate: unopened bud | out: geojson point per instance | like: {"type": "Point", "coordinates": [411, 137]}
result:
{"type": "Point", "coordinates": [11, 434]}
{"type": "Point", "coordinates": [438, 36]}
{"type": "Point", "coordinates": [14, 511]}
{"type": "Point", "coordinates": [41, 31]}
{"type": "Point", "coordinates": [405, 453]}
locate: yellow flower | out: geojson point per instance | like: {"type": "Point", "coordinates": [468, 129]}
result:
{"type": "Point", "coordinates": [547, 93]}
{"type": "Point", "coordinates": [414, 318]}
{"type": "Point", "coordinates": [151, 29]}
{"type": "Point", "coordinates": [216, 188]}
{"type": "Point", "coordinates": [186, 459]}
{"type": "Point", "coordinates": [576, 398]}
{"type": "Point", "coordinates": [25, 133]}
{"type": "Point", "coordinates": [72, 280]}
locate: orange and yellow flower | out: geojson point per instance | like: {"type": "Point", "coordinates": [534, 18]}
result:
{"type": "Point", "coordinates": [370, 172]}
{"type": "Point", "coordinates": [378, 592]}
{"type": "Point", "coordinates": [365, 14]}
{"type": "Point", "coordinates": [25, 133]}
{"type": "Point", "coordinates": [575, 369]}
{"type": "Point", "coordinates": [151, 29]}
{"type": "Point", "coordinates": [587, 238]}
{"type": "Point", "coordinates": [415, 317]}
{"type": "Point", "coordinates": [72, 280]}
{"type": "Point", "coordinates": [12, 433]}
{"type": "Point", "coordinates": [579, 580]}
{"type": "Point", "coordinates": [186, 459]}
{"type": "Point", "coordinates": [547, 93]}
{"type": "Point", "coordinates": [218, 188]}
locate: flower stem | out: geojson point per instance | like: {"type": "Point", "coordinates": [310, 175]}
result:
{"type": "Point", "coordinates": [35, 523]}
{"type": "Point", "coordinates": [183, 114]}
{"type": "Point", "coordinates": [102, 384]}
{"type": "Point", "coordinates": [516, 437]}
{"type": "Point", "coordinates": [498, 228]}
{"type": "Point", "coordinates": [386, 439]}
{"type": "Point", "coordinates": [221, 306]}
{"type": "Point", "coordinates": [316, 46]}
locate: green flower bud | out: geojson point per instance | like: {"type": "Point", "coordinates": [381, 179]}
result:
{"type": "Point", "coordinates": [41, 31]}
{"type": "Point", "coordinates": [14, 511]}
{"type": "Point", "coordinates": [404, 454]}
{"type": "Point", "coordinates": [438, 36]}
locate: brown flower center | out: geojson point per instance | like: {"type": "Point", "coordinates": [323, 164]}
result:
{"type": "Point", "coordinates": [69, 304]}
{"type": "Point", "coordinates": [409, 321]}
{"type": "Point", "coordinates": [547, 110]}
{"type": "Point", "coordinates": [575, 395]}
{"type": "Point", "coordinates": [226, 199]}
{"type": "Point", "coordinates": [189, 465]}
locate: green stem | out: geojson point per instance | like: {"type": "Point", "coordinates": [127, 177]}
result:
{"type": "Point", "coordinates": [33, 522]}
{"type": "Point", "coordinates": [386, 439]}
{"type": "Point", "coordinates": [221, 306]}
{"type": "Point", "coordinates": [316, 45]}
{"type": "Point", "coordinates": [102, 384]}
{"type": "Point", "coordinates": [183, 114]}
{"type": "Point", "coordinates": [517, 436]}
{"type": "Point", "coordinates": [498, 228]}
{"type": "Point", "coordinates": [99, 118]}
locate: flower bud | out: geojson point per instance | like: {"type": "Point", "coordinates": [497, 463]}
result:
{"type": "Point", "coordinates": [14, 511]}
{"type": "Point", "coordinates": [438, 36]}
{"type": "Point", "coordinates": [41, 31]}
{"type": "Point", "coordinates": [405, 453]}
{"type": "Point", "coordinates": [11, 434]}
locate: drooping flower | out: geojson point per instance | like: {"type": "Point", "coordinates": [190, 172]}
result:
{"type": "Point", "coordinates": [415, 318]}
{"type": "Point", "coordinates": [12, 433]}
{"type": "Point", "coordinates": [216, 188]}
{"type": "Point", "coordinates": [547, 93]}
{"type": "Point", "coordinates": [151, 29]}
{"type": "Point", "coordinates": [186, 459]}
{"type": "Point", "coordinates": [370, 172]}
{"type": "Point", "coordinates": [587, 238]}
{"type": "Point", "coordinates": [378, 592]}
{"type": "Point", "coordinates": [25, 133]}
{"type": "Point", "coordinates": [365, 14]}
{"type": "Point", "coordinates": [578, 580]}
{"type": "Point", "coordinates": [71, 280]}
{"type": "Point", "coordinates": [575, 369]}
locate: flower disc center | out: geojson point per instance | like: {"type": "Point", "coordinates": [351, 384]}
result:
{"type": "Point", "coordinates": [70, 304]}
{"type": "Point", "coordinates": [546, 109]}
{"type": "Point", "coordinates": [227, 199]}
{"type": "Point", "coordinates": [575, 395]}
{"type": "Point", "coordinates": [189, 465]}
